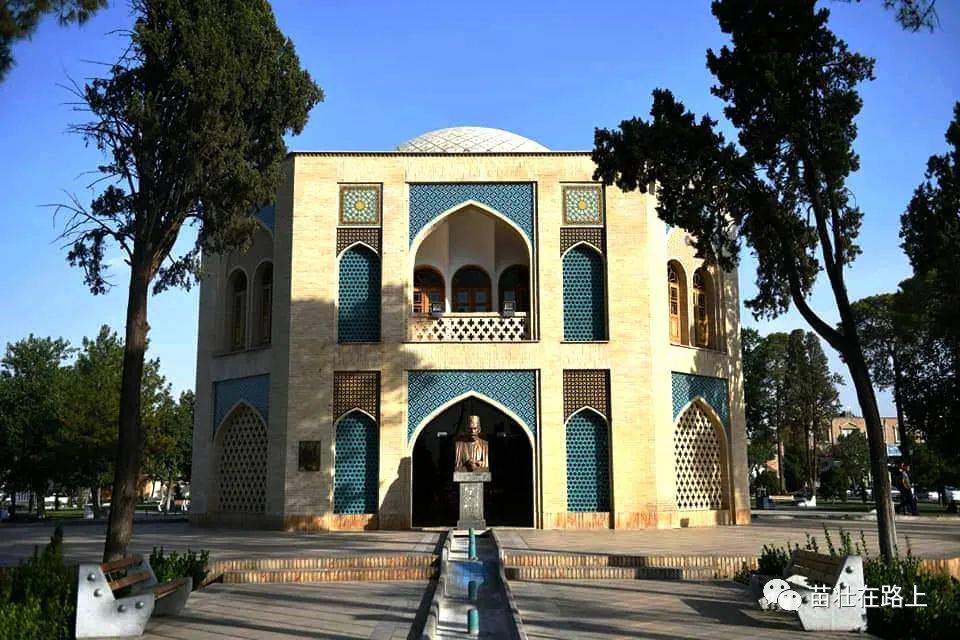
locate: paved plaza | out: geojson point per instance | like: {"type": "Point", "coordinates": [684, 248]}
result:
{"type": "Point", "coordinates": [374, 610]}
{"type": "Point", "coordinates": [928, 538]}
{"type": "Point", "coordinates": [84, 541]}
{"type": "Point", "coordinates": [654, 609]}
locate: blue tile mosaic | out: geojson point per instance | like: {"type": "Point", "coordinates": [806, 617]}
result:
{"type": "Point", "coordinates": [254, 390]}
{"type": "Point", "coordinates": [356, 466]}
{"type": "Point", "coordinates": [583, 295]}
{"type": "Point", "coordinates": [582, 204]}
{"type": "Point", "coordinates": [429, 390]}
{"type": "Point", "coordinates": [513, 200]}
{"type": "Point", "coordinates": [358, 308]}
{"type": "Point", "coordinates": [687, 386]}
{"type": "Point", "coordinates": [588, 463]}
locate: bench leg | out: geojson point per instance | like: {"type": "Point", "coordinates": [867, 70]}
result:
{"type": "Point", "coordinates": [100, 615]}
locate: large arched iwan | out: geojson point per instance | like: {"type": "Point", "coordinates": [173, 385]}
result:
{"type": "Point", "coordinates": [508, 497]}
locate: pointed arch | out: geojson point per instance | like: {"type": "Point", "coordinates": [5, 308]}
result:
{"type": "Point", "coordinates": [356, 466]}
{"type": "Point", "coordinates": [240, 448]}
{"type": "Point", "coordinates": [588, 461]}
{"type": "Point", "coordinates": [584, 294]}
{"type": "Point", "coordinates": [701, 459]}
{"type": "Point", "coordinates": [428, 228]}
{"type": "Point", "coordinates": [703, 287]}
{"type": "Point", "coordinates": [412, 438]}
{"type": "Point", "coordinates": [358, 295]}
{"type": "Point", "coordinates": [357, 243]}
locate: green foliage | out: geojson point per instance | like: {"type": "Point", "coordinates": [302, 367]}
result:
{"type": "Point", "coordinates": [928, 304]}
{"type": "Point", "coordinates": [773, 560]}
{"type": "Point", "coordinates": [32, 383]}
{"type": "Point", "coordinates": [939, 620]}
{"type": "Point", "coordinates": [38, 597]}
{"type": "Point", "coordinates": [790, 90]}
{"type": "Point", "coordinates": [834, 483]}
{"type": "Point", "coordinates": [174, 565]}
{"type": "Point", "coordinates": [766, 482]}
{"type": "Point", "coordinates": [19, 19]}
{"type": "Point", "coordinates": [853, 456]}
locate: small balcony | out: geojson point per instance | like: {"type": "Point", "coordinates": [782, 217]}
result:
{"type": "Point", "coordinates": [469, 327]}
{"type": "Point", "coordinates": [471, 280]}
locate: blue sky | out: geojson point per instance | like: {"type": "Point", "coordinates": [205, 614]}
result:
{"type": "Point", "coordinates": [551, 71]}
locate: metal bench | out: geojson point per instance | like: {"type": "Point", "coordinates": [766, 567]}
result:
{"type": "Point", "coordinates": [843, 578]}
{"type": "Point", "coordinates": [116, 599]}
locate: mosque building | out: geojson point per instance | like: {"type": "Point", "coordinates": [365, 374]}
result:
{"type": "Point", "coordinates": [389, 295]}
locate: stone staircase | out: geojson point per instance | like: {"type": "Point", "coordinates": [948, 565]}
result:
{"type": "Point", "coordinates": [583, 566]}
{"type": "Point", "coordinates": [343, 568]}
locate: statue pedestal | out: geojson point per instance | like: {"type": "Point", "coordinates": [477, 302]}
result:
{"type": "Point", "coordinates": [471, 498]}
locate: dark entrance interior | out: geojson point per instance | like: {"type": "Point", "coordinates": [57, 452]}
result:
{"type": "Point", "coordinates": [508, 497]}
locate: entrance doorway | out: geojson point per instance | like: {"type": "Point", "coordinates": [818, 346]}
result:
{"type": "Point", "coordinates": [508, 497]}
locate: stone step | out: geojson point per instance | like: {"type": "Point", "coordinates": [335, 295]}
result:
{"type": "Point", "coordinates": [612, 573]}
{"type": "Point", "coordinates": [306, 576]}
{"type": "Point", "coordinates": [715, 566]}
{"type": "Point", "coordinates": [389, 561]}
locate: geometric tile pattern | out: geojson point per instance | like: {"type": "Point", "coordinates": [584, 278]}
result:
{"type": "Point", "coordinates": [586, 388]}
{"type": "Point", "coordinates": [686, 387]}
{"type": "Point", "coordinates": [583, 296]}
{"type": "Point", "coordinates": [470, 140]}
{"type": "Point", "coordinates": [356, 465]}
{"type": "Point", "coordinates": [512, 200]}
{"type": "Point", "coordinates": [582, 204]}
{"type": "Point", "coordinates": [588, 463]}
{"type": "Point", "coordinates": [254, 390]}
{"type": "Point", "coordinates": [700, 477]}
{"type": "Point", "coordinates": [356, 390]}
{"type": "Point", "coordinates": [360, 204]}
{"type": "Point", "coordinates": [347, 236]}
{"type": "Point", "coordinates": [570, 236]}
{"type": "Point", "coordinates": [266, 215]}
{"type": "Point", "coordinates": [243, 463]}
{"type": "Point", "coordinates": [428, 390]}
{"type": "Point", "coordinates": [358, 311]}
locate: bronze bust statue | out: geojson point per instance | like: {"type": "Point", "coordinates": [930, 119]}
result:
{"type": "Point", "coordinates": [472, 453]}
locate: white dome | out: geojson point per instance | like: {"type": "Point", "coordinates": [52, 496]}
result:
{"type": "Point", "coordinates": [470, 140]}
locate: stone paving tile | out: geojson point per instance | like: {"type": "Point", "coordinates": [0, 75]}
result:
{"type": "Point", "coordinates": [84, 542]}
{"type": "Point", "coordinates": [375, 611]}
{"type": "Point", "coordinates": [928, 539]}
{"type": "Point", "coordinates": [657, 610]}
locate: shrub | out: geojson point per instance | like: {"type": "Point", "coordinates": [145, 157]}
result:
{"type": "Point", "coordinates": [834, 484]}
{"type": "Point", "coordinates": [766, 483]}
{"type": "Point", "coordinates": [38, 597]}
{"type": "Point", "coordinates": [939, 620]}
{"type": "Point", "coordinates": [172, 566]}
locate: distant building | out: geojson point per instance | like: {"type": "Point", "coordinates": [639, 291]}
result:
{"type": "Point", "coordinates": [848, 423]}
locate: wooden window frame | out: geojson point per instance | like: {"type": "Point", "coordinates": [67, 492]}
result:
{"type": "Point", "coordinates": [471, 292]}
{"type": "Point", "coordinates": [421, 294]}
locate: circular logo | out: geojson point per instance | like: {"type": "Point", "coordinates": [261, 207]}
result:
{"type": "Point", "coordinates": [789, 600]}
{"type": "Point", "coordinates": [773, 589]}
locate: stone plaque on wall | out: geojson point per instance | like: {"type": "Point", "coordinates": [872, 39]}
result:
{"type": "Point", "coordinates": [311, 455]}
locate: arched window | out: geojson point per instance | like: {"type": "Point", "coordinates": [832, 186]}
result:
{"type": "Point", "coordinates": [471, 290]}
{"type": "Point", "coordinates": [584, 296]}
{"type": "Point", "coordinates": [673, 280]}
{"type": "Point", "coordinates": [703, 309]}
{"type": "Point", "coordinates": [514, 285]}
{"type": "Point", "coordinates": [238, 310]}
{"type": "Point", "coordinates": [264, 306]}
{"type": "Point", "coordinates": [700, 459]}
{"type": "Point", "coordinates": [358, 305]}
{"type": "Point", "coordinates": [428, 289]}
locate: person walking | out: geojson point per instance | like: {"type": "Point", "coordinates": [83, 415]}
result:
{"type": "Point", "coordinates": [907, 497]}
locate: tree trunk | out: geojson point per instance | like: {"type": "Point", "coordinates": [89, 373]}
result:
{"type": "Point", "coordinates": [886, 526]}
{"type": "Point", "coordinates": [123, 502]}
{"type": "Point", "coordinates": [13, 501]}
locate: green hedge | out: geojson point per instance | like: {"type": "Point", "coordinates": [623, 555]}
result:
{"type": "Point", "coordinates": [172, 566]}
{"type": "Point", "coordinates": [38, 598]}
